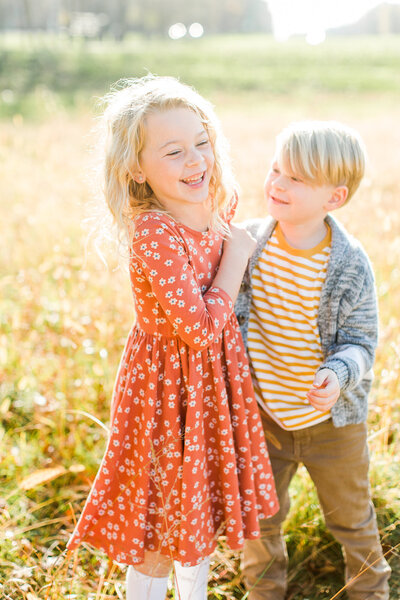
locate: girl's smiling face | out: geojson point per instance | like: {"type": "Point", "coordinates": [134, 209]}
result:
{"type": "Point", "coordinates": [177, 160]}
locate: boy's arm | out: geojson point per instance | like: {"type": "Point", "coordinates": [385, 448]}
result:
{"type": "Point", "coordinates": [351, 356]}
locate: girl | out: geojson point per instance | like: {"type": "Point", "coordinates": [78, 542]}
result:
{"type": "Point", "coordinates": [186, 460]}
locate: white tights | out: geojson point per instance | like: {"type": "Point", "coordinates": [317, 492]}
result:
{"type": "Point", "coordinates": [144, 587]}
{"type": "Point", "coordinates": [190, 583]}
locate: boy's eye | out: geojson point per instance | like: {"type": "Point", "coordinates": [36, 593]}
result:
{"type": "Point", "coordinates": [173, 153]}
{"type": "Point", "coordinates": [296, 179]}
{"type": "Point", "coordinates": [203, 142]}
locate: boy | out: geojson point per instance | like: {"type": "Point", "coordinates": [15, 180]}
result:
{"type": "Point", "coordinates": [308, 313]}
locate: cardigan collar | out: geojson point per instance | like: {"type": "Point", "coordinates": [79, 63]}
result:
{"type": "Point", "coordinates": [340, 241]}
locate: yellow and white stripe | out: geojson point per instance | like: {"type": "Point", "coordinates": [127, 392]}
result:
{"type": "Point", "coordinates": [284, 343]}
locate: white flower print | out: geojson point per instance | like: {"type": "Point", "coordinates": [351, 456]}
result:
{"type": "Point", "coordinates": [174, 371]}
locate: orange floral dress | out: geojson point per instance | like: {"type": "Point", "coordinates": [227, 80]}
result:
{"type": "Point", "coordinates": [186, 459]}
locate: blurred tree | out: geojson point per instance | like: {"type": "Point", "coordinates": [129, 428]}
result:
{"type": "Point", "coordinates": [151, 17]}
{"type": "Point", "coordinates": [382, 19]}
{"type": "Point", "coordinates": [118, 18]}
{"type": "Point", "coordinates": [95, 18]}
{"type": "Point", "coordinates": [26, 14]}
{"type": "Point", "coordinates": [257, 17]}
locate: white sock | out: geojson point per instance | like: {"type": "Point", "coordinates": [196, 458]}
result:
{"type": "Point", "coordinates": [191, 582]}
{"type": "Point", "coordinates": [144, 587]}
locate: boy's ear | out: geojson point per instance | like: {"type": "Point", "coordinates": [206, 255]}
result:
{"type": "Point", "coordinates": [339, 197]}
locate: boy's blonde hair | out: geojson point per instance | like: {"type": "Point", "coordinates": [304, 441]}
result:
{"type": "Point", "coordinates": [322, 153]}
{"type": "Point", "coordinates": [128, 104]}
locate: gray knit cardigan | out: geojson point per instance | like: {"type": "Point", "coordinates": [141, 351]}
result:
{"type": "Point", "coordinates": [347, 317]}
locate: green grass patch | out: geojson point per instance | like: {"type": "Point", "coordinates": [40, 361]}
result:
{"type": "Point", "coordinates": [40, 75]}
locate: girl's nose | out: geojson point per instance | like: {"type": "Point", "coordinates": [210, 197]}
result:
{"type": "Point", "coordinates": [194, 157]}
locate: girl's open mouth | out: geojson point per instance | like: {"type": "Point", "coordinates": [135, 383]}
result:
{"type": "Point", "coordinates": [195, 179]}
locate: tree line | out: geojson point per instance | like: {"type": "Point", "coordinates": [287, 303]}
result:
{"type": "Point", "coordinates": [117, 18]}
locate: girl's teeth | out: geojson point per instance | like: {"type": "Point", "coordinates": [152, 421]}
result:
{"type": "Point", "coordinates": [192, 180]}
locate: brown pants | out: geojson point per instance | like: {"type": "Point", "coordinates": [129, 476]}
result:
{"type": "Point", "coordinates": [337, 461]}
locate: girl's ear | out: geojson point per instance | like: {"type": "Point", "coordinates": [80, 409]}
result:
{"type": "Point", "coordinates": [138, 176]}
{"type": "Point", "coordinates": [339, 197]}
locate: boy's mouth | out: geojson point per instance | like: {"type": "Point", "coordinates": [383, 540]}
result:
{"type": "Point", "coordinates": [278, 200]}
{"type": "Point", "coordinates": [194, 180]}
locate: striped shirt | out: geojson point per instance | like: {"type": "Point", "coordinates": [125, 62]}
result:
{"type": "Point", "coordinates": [283, 340]}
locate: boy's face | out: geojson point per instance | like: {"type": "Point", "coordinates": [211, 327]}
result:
{"type": "Point", "coordinates": [296, 201]}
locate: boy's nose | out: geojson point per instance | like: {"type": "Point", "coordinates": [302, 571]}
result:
{"type": "Point", "coordinates": [278, 183]}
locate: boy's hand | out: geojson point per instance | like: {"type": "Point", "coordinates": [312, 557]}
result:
{"type": "Point", "coordinates": [324, 391]}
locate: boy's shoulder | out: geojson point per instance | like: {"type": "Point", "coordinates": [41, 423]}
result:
{"type": "Point", "coordinates": [263, 227]}
{"type": "Point", "coordinates": [259, 227]}
{"type": "Point", "coordinates": [349, 266]}
{"type": "Point", "coordinates": [347, 252]}
{"type": "Point", "coordinates": [345, 245]}
{"type": "Point", "coordinates": [261, 230]}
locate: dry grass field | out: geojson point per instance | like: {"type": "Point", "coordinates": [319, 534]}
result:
{"type": "Point", "coordinates": [64, 316]}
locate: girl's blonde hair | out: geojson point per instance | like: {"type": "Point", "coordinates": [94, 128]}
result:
{"type": "Point", "coordinates": [322, 153]}
{"type": "Point", "coordinates": [128, 104]}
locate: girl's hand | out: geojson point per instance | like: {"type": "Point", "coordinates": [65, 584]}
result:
{"type": "Point", "coordinates": [324, 391]}
{"type": "Point", "coordinates": [237, 250]}
{"type": "Point", "coordinates": [240, 242]}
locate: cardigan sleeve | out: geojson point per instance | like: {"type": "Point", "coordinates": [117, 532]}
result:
{"type": "Point", "coordinates": [352, 353]}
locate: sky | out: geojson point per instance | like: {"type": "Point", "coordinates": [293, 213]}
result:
{"type": "Point", "coordinates": [313, 17]}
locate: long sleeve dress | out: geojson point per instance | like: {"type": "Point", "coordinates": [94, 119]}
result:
{"type": "Point", "coordinates": [186, 459]}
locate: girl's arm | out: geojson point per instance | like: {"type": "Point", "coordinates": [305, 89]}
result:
{"type": "Point", "coordinates": [237, 251]}
{"type": "Point", "coordinates": [160, 256]}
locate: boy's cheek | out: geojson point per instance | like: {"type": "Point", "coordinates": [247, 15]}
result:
{"type": "Point", "coordinates": [268, 180]}
{"type": "Point", "coordinates": [267, 189]}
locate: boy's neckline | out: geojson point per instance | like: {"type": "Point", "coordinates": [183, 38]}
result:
{"type": "Point", "coordinates": [304, 236]}
{"type": "Point", "coordinates": [305, 252]}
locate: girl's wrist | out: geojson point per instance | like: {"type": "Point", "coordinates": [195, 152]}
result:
{"type": "Point", "coordinates": [236, 253]}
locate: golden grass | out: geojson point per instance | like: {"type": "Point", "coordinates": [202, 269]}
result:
{"type": "Point", "coordinates": [65, 317]}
